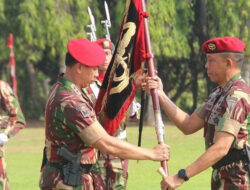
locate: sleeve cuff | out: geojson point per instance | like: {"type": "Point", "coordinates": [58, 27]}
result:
{"type": "Point", "coordinates": [92, 133]}
{"type": "Point", "coordinates": [230, 126]}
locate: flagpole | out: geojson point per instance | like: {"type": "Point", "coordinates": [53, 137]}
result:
{"type": "Point", "coordinates": [12, 63]}
{"type": "Point", "coordinates": [159, 125]}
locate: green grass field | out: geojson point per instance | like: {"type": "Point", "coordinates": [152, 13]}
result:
{"type": "Point", "coordinates": [24, 155]}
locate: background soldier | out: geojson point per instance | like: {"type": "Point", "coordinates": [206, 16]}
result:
{"type": "Point", "coordinates": [71, 127]}
{"type": "Point", "coordinates": [11, 121]}
{"type": "Point", "coordinates": [224, 116]}
{"type": "Point", "coordinates": [112, 170]}
{"type": "Point", "coordinates": [93, 89]}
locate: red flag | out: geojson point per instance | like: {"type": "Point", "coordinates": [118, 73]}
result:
{"type": "Point", "coordinates": [12, 63]}
{"type": "Point", "coordinates": [118, 89]}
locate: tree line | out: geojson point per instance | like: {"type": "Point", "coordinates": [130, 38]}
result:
{"type": "Point", "coordinates": [178, 28]}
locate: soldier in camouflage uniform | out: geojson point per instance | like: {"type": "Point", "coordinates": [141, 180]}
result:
{"type": "Point", "coordinates": [70, 122]}
{"type": "Point", "coordinates": [225, 117]}
{"type": "Point", "coordinates": [11, 121]}
{"type": "Point", "coordinates": [112, 170]}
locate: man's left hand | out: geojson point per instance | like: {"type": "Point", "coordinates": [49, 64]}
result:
{"type": "Point", "coordinates": [171, 182]}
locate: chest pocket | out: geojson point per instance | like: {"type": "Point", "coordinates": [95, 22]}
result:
{"type": "Point", "coordinates": [213, 109]}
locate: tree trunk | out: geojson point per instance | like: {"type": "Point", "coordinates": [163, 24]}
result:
{"type": "Point", "coordinates": [195, 89]}
{"type": "Point", "coordinates": [46, 86]}
{"type": "Point", "coordinates": [36, 100]}
{"type": "Point", "coordinates": [62, 66]}
{"type": "Point", "coordinates": [246, 70]}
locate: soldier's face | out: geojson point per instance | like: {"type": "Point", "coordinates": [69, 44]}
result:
{"type": "Point", "coordinates": [88, 75]}
{"type": "Point", "coordinates": [103, 68]}
{"type": "Point", "coordinates": [216, 66]}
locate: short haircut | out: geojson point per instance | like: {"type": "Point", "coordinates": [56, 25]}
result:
{"type": "Point", "coordinates": [238, 58]}
{"type": "Point", "coordinates": [69, 60]}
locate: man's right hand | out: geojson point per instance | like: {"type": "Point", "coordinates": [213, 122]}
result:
{"type": "Point", "coordinates": [161, 152]}
{"type": "Point", "coordinates": [153, 83]}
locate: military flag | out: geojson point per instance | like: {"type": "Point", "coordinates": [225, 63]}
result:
{"type": "Point", "coordinates": [10, 45]}
{"type": "Point", "coordinates": [118, 88]}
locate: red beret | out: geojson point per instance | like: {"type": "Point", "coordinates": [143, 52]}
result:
{"type": "Point", "coordinates": [86, 52]}
{"type": "Point", "coordinates": [223, 44]}
{"type": "Point", "coordinates": [105, 43]}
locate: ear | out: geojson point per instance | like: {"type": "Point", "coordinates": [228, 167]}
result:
{"type": "Point", "coordinates": [229, 62]}
{"type": "Point", "coordinates": [78, 67]}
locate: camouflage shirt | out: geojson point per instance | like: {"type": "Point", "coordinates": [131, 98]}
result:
{"type": "Point", "coordinates": [11, 115]}
{"type": "Point", "coordinates": [92, 91]}
{"type": "Point", "coordinates": [228, 110]}
{"type": "Point", "coordinates": [69, 122]}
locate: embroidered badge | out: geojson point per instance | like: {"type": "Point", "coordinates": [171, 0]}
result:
{"type": "Point", "coordinates": [83, 109]}
{"type": "Point", "coordinates": [211, 46]}
{"type": "Point", "coordinates": [231, 101]}
{"type": "Point", "coordinates": [106, 44]}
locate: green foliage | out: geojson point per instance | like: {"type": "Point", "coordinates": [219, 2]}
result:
{"type": "Point", "coordinates": [230, 18]}
{"type": "Point", "coordinates": [52, 23]}
{"type": "Point", "coordinates": [169, 26]}
{"type": "Point", "coordinates": [117, 12]}
{"type": "Point", "coordinates": [1, 10]}
{"type": "Point", "coordinates": [184, 150]}
{"type": "Point", "coordinates": [42, 29]}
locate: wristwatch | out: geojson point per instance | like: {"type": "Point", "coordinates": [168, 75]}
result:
{"type": "Point", "coordinates": [182, 174]}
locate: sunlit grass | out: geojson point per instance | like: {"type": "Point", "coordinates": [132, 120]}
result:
{"type": "Point", "coordinates": [24, 155]}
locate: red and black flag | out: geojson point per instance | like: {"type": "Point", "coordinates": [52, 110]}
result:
{"type": "Point", "coordinates": [118, 89]}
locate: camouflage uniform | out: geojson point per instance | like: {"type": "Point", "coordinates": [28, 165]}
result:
{"type": "Point", "coordinates": [11, 121]}
{"type": "Point", "coordinates": [109, 170]}
{"type": "Point", "coordinates": [69, 122]}
{"type": "Point", "coordinates": [228, 110]}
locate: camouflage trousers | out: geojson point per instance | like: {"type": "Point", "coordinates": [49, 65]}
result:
{"type": "Point", "coordinates": [110, 173]}
{"type": "Point", "coordinates": [51, 179]}
{"type": "Point", "coordinates": [4, 183]}
{"type": "Point", "coordinates": [234, 176]}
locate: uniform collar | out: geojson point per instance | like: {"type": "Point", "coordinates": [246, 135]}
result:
{"type": "Point", "coordinates": [230, 82]}
{"type": "Point", "coordinates": [101, 77]}
{"type": "Point", "coordinates": [65, 81]}
{"type": "Point", "coordinates": [235, 77]}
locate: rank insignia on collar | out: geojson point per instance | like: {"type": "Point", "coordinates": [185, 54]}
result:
{"type": "Point", "coordinates": [73, 86]}
{"type": "Point", "coordinates": [211, 46]}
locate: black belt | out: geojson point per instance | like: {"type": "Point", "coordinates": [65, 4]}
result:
{"type": "Point", "coordinates": [84, 167]}
{"type": "Point", "coordinates": [233, 155]}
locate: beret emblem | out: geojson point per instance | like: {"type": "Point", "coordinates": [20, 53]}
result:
{"type": "Point", "coordinates": [106, 44]}
{"type": "Point", "coordinates": [211, 46]}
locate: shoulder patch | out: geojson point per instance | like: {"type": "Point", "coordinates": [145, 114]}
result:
{"type": "Point", "coordinates": [83, 108]}
{"type": "Point", "coordinates": [231, 101]}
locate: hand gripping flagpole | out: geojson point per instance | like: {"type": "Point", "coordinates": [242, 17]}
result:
{"type": "Point", "coordinates": [159, 125]}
